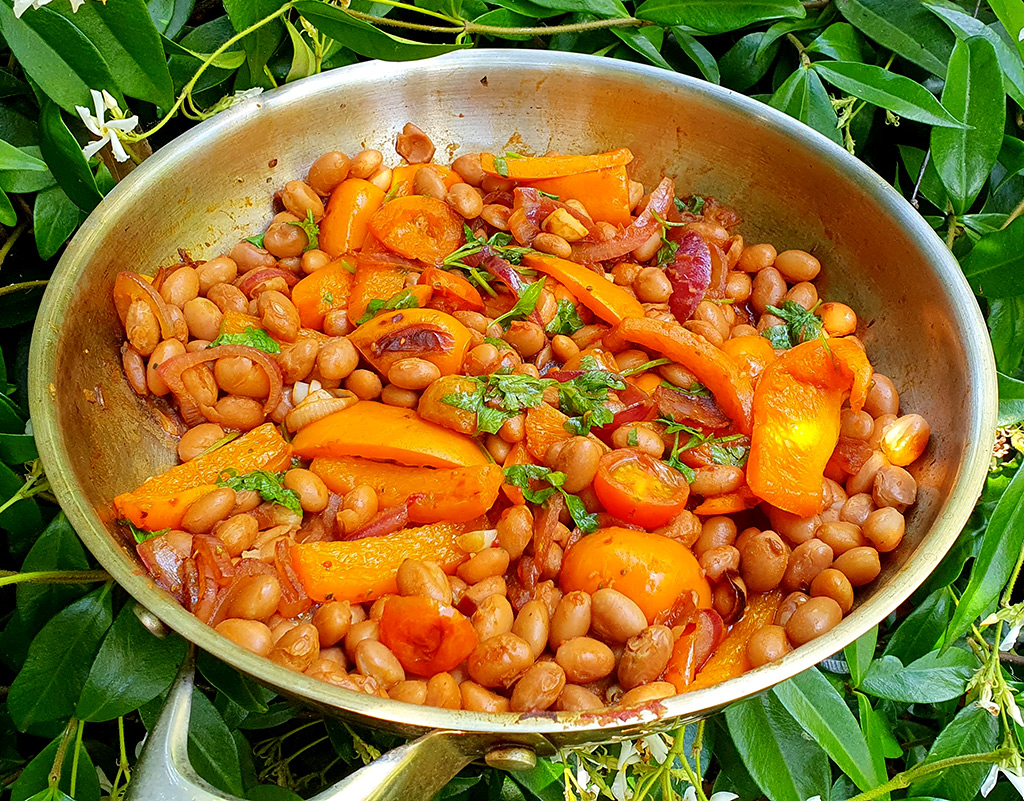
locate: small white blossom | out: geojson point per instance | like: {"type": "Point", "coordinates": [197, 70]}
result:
{"type": "Point", "coordinates": [583, 779]}
{"type": "Point", "coordinates": [724, 796]}
{"type": "Point", "coordinates": [628, 755]}
{"type": "Point", "coordinates": [1011, 776]}
{"type": "Point", "coordinates": [107, 130]}
{"type": "Point", "coordinates": [1020, 36]}
{"type": "Point", "coordinates": [21, 6]}
{"type": "Point", "coordinates": [620, 789]}
{"type": "Point", "coordinates": [657, 746]}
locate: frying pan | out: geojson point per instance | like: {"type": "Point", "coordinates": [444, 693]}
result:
{"type": "Point", "coordinates": [793, 187]}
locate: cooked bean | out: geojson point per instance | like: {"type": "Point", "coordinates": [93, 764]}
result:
{"type": "Point", "coordinates": [283, 239]}
{"type": "Point", "coordinates": [858, 425]}
{"type": "Point", "coordinates": [413, 145]}
{"type": "Point", "coordinates": [646, 693]}
{"type": "Point", "coordinates": [767, 644]}
{"type": "Point", "coordinates": [715, 532]}
{"type": "Point", "coordinates": [894, 487]}
{"type": "Point", "coordinates": [838, 319]}
{"type": "Point", "coordinates": [738, 287]}
{"type": "Point", "coordinates": [142, 328]}
{"type": "Point", "coordinates": [365, 163]}
{"type": "Point", "coordinates": [337, 359]}
{"type": "Point", "coordinates": [469, 168]}
{"type": "Point", "coordinates": [719, 561]}
{"type": "Point", "coordinates": [812, 619]}
{"type": "Point", "coordinates": [500, 660]}
{"type": "Point", "coordinates": [840, 536]}
{"type": "Point", "coordinates": [464, 199]}
{"type": "Point", "coordinates": [802, 294]}
{"type": "Point", "coordinates": [479, 699]}
{"type": "Point", "coordinates": [882, 397]}
{"type": "Point", "coordinates": [240, 375]}
{"type": "Point", "coordinates": [647, 250]}
{"type": "Point", "coordinates": [716, 479]}
{"type": "Point", "coordinates": [884, 528]}
{"type": "Point", "coordinates": [313, 260]}
{"type": "Point", "coordinates": [860, 565]}
{"type": "Point", "coordinates": [180, 286]}
{"type": "Point", "coordinates": [337, 324]}
{"type": "Point", "coordinates": [300, 199]}
{"type": "Point", "coordinates": [198, 439]}
{"type": "Point", "coordinates": [210, 508]}
{"type": "Point", "coordinates": [443, 692]}
{"type": "Point", "coordinates": [489, 562]}
{"type": "Point", "coordinates": [246, 501]}
{"type": "Point", "coordinates": [834, 584]}
{"type": "Point", "coordinates": [279, 315]}
{"type": "Point", "coordinates": [227, 297]}
{"type": "Point", "coordinates": [255, 597]}
{"type": "Point", "coordinates": [553, 244]}
{"type": "Point", "coordinates": [575, 698]}
{"type": "Point", "coordinates": [578, 459]}
{"type": "Point", "coordinates": [904, 440]}
{"type": "Point", "coordinates": [250, 634]}
{"type": "Point", "coordinates": [310, 488]}
{"type": "Point", "coordinates": [789, 605]}
{"type": "Point", "coordinates": [879, 428]}
{"type": "Point", "coordinates": [763, 561]}
{"type": "Point", "coordinates": [513, 430]}
{"type": "Point", "coordinates": [857, 508]}
{"type": "Point", "coordinates": [645, 657]}
{"type": "Point", "coordinates": [572, 618]}
{"type": "Point", "coordinates": [539, 688]}
{"type": "Point", "coordinates": [797, 265]}
{"type": "Point", "coordinates": [298, 359]}
{"type": "Point", "coordinates": [807, 561]}
{"type": "Point", "coordinates": [238, 533]}
{"type": "Point", "coordinates": [414, 373]}
{"type": "Point", "coordinates": [248, 256]}
{"type": "Point", "coordinates": [424, 578]}
{"type": "Point", "coordinates": [476, 593]}
{"type": "Point", "coordinates": [364, 630]}
{"type": "Point", "coordinates": [492, 617]}
{"type": "Point", "coordinates": [652, 285]}
{"type": "Point", "coordinates": [706, 330]}
{"type": "Point", "coordinates": [526, 337]}
{"type": "Point", "coordinates": [410, 691]}
{"type": "Point", "coordinates": [333, 620]}
{"type": "Point", "coordinates": [328, 171]}
{"type": "Point", "coordinates": [533, 625]}
{"type": "Point", "coordinates": [515, 530]}
{"type": "Point", "coordinates": [239, 413]}
{"type": "Point", "coordinates": [373, 658]}
{"type": "Point", "coordinates": [364, 384]}
{"type": "Point", "coordinates": [756, 258]}
{"type": "Point", "coordinates": [221, 270]}
{"type": "Point", "coordinates": [865, 477]}
{"type": "Point", "coordinates": [585, 659]}
{"type": "Point", "coordinates": [769, 288]}
{"type": "Point", "coordinates": [203, 319]}
{"type": "Point", "coordinates": [647, 441]}
{"type": "Point", "coordinates": [614, 617]}
{"type": "Point", "coordinates": [298, 648]}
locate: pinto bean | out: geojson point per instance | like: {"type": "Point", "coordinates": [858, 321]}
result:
{"type": "Point", "coordinates": [424, 578]}
{"type": "Point", "coordinates": [499, 661]}
{"type": "Point", "coordinates": [614, 617]}
{"type": "Point", "coordinates": [533, 624]}
{"type": "Point", "coordinates": [297, 648]}
{"type": "Point", "coordinates": [492, 617]}
{"type": "Point", "coordinates": [646, 656]}
{"type": "Point", "coordinates": [572, 618]}
{"type": "Point", "coordinates": [585, 659]}
{"type": "Point", "coordinates": [539, 688]}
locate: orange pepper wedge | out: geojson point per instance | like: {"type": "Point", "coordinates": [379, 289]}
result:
{"type": "Point", "coordinates": [375, 280]}
{"type": "Point", "coordinates": [796, 420]}
{"type": "Point", "coordinates": [403, 176]}
{"type": "Point", "coordinates": [456, 494]}
{"type": "Point", "coordinates": [648, 382]}
{"type": "Point", "coordinates": [604, 193]}
{"type": "Point", "coordinates": [347, 218]}
{"type": "Point", "coordinates": [545, 426]}
{"type": "Point", "coordinates": [715, 369]}
{"type": "Point", "coordinates": [752, 353]}
{"type": "Point", "coordinates": [323, 291]}
{"type": "Point", "coordinates": [729, 503]}
{"type": "Point", "coordinates": [423, 333]}
{"type": "Point", "coordinates": [454, 290]}
{"type": "Point", "coordinates": [161, 501]}
{"type": "Point", "coordinates": [376, 431]}
{"type": "Point", "coordinates": [533, 168]}
{"type": "Point", "coordinates": [517, 455]}
{"type": "Point", "coordinates": [609, 302]}
{"type": "Point", "coordinates": [364, 570]}
{"type": "Point", "coordinates": [235, 322]}
{"type": "Point", "coordinates": [418, 227]}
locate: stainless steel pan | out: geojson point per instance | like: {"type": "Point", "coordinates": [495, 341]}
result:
{"type": "Point", "coordinates": [794, 188]}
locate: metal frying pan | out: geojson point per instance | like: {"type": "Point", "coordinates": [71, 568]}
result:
{"type": "Point", "coordinates": [793, 187]}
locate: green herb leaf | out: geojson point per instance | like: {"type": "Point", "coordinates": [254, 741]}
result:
{"type": "Point", "coordinates": [311, 229]}
{"type": "Point", "coordinates": [973, 731]}
{"type": "Point", "coordinates": [520, 475]}
{"type": "Point", "coordinates": [401, 300]}
{"type": "Point", "coordinates": [721, 16]}
{"type": "Point", "coordinates": [643, 368]}
{"type": "Point", "coordinates": [800, 326]}
{"type": "Point", "coordinates": [566, 321]}
{"type": "Point", "coordinates": [252, 337]}
{"type": "Point", "coordinates": [993, 267]}
{"type": "Point", "coordinates": [501, 166]}
{"type": "Point", "coordinates": [583, 397]}
{"type": "Point", "coordinates": [256, 240]}
{"type": "Point", "coordinates": [932, 678]}
{"type": "Point", "coordinates": [140, 535]}
{"type": "Point", "coordinates": [632, 439]}
{"type": "Point", "coordinates": [499, 396]}
{"type": "Point", "coordinates": [904, 27]}
{"type": "Point", "coordinates": [497, 342]}
{"type": "Point", "coordinates": [269, 485]}
{"type": "Point", "coordinates": [523, 307]}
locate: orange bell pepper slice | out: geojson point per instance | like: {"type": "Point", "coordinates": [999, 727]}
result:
{"type": "Point", "coordinates": [604, 193]}
{"type": "Point", "coordinates": [323, 291]}
{"type": "Point", "coordinates": [454, 291]}
{"type": "Point", "coordinates": [423, 333]}
{"type": "Point", "coordinates": [403, 176]}
{"type": "Point", "coordinates": [456, 494]}
{"type": "Point", "coordinates": [348, 214]}
{"type": "Point", "coordinates": [714, 368]}
{"type": "Point", "coordinates": [517, 455]}
{"type": "Point", "coordinates": [376, 431]}
{"type": "Point", "coordinates": [374, 280]}
{"type": "Point", "coordinates": [648, 382]}
{"type": "Point", "coordinates": [533, 168]}
{"type": "Point", "coordinates": [364, 570]}
{"type": "Point", "coordinates": [161, 501]}
{"type": "Point", "coordinates": [796, 420]}
{"type": "Point", "coordinates": [545, 426]}
{"type": "Point", "coordinates": [418, 227]}
{"type": "Point", "coordinates": [729, 503]}
{"type": "Point", "coordinates": [609, 302]}
{"type": "Point", "coordinates": [752, 353]}
{"type": "Point", "coordinates": [235, 322]}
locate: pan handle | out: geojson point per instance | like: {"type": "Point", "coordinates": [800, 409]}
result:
{"type": "Point", "coordinates": [412, 772]}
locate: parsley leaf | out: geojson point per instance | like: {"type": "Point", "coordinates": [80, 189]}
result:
{"type": "Point", "coordinates": [256, 240]}
{"type": "Point", "coordinates": [269, 485]}
{"type": "Point", "coordinates": [500, 344]}
{"type": "Point", "coordinates": [696, 388]}
{"type": "Point", "coordinates": [311, 228]}
{"type": "Point", "coordinates": [632, 439]}
{"type": "Point", "coordinates": [719, 448]}
{"type": "Point", "coordinates": [799, 324]}
{"type": "Point", "coordinates": [402, 300]}
{"type": "Point", "coordinates": [252, 337]}
{"type": "Point", "coordinates": [497, 397]}
{"type": "Point", "coordinates": [547, 194]}
{"type": "Point", "coordinates": [501, 166]}
{"type": "Point", "coordinates": [667, 252]}
{"type": "Point", "coordinates": [328, 298]}
{"type": "Point", "coordinates": [584, 396]}
{"type": "Point", "coordinates": [643, 368]}
{"type": "Point", "coordinates": [566, 321]}
{"type": "Point", "coordinates": [140, 534]}
{"type": "Point", "coordinates": [520, 475]}
{"type": "Point", "coordinates": [525, 305]}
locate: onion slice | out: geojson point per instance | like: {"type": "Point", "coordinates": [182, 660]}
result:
{"type": "Point", "coordinates": [387, 522]}
{"type": "Point", "coordinates": [129, 287]}
{"type": "Point", "coordinates": [638, 232]}
{"type": "Point", "coordinates": [689, 272]}
{"type": "Point", "coordinates": [254, 278]}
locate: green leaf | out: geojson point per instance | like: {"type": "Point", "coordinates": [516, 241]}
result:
{"type": "Point", "coordinates": [859, 655]}
{"type": "Point", "coordinates": [57, 56]}
{"type": "Point", "coordinates": [269, 485]}
{"type": "Point", "coordinates": [882, 88]}
{"type": "Point", "coordinates": [1011, 400]}
{"type": "Point", "coordinates": [505, 18]}
{"type": "Point", "coordinates": [48, 686]}
{"type": "Point", "coordinates": [303, 60]}
{"type": "Point", "coordinates": [995, 264]}
{"type": "Point", "coordinates": [903, 26]}
{"type": "Point", "coordinates": [228, 60]}
{"type": "Point", "coordinates": [133, 666]}
{"type": "Point", "coordinates": [35, 777]}
{"type": "Point", "coordinates": [922, 630]}
{"type": "Point", "coordinates": [932, 678]}
{"type": "Point", "coordinates": [639, 40]}
{"type": "Point", "coordinates": [1006, 328]}
{"type": "Point", "coordinates": [400, 300]}
{"type": "Point", "coordinates": [786, 764]}
{"type": "Point", "coordinates": [64, 157]}
{"type": "Point", "coordinates": [721, 16]}
{"type": "Point", "coordinates": [741, 66]}
{"type": "Point", "coordinates": [877, 734]}
{"type": "Point", "coordinates": [602, 8]}
{"type": "Point", "coordinates": [251, 337]}
{"type": "Point", "coordinates": [12, 419]}
{"type": "Point", "coordinates": [842, 42]}
{"type": "Point", "coordinates": [931, 185]}
{"type": "Point", "coordinates": [525, 304]}
{"type": "Point", "coordinates": [1011, 14]}
{"type": "Point", "coordinates": [803, 96]}
{"type": "Point", "coordinates": [780, 29]}
{"type": "Point", "coordinates": [22, 519]}
{"type": "Point", "coordinates": [817, 706]}
{"type": "Point", "coordinates": [170, 16]}
{"type": "Point", "coordinates": [18, 304]}
{"type": "Point", "coordinates": [973, 93]}
{"type": "Point", "coordinates": [13, 158]}
{"type": "Point", "coordinates": [17, 448]}
{"type": "Point", "coordinates": [55, 219]}
{"type": "Point", "coordinates": [8, 216]}
{"type": "Point", "coordinates": [211, 748]}
{"type": "Point", "coordinates": [259, 45]}
{"type": "Point", "coordinates": [697, 53]}
{"type": "Point", "coordinates": [238, 687]}
{"type": "Point", "coordinates": [973, 731]}
{"type": "Point", "coordinates": [364, 38]}
{"type": "Point", "coordinates": [58, 548]}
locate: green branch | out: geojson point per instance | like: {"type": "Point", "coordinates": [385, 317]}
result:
{"type": "Point", "coordinates": [9, 577]}
{"type": "Point", "coordinates": [903, 780]}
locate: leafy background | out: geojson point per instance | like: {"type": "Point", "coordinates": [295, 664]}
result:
{"type": "Point", "coordinates": [927, 92]}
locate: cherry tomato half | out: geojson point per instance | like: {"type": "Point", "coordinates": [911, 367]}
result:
{"type": "Point", "coordinates": [427, 636]}
{"type": "Point", "coordinates": [639, 489]}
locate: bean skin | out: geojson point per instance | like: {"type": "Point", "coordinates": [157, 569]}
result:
{"type": "Point", "coordinates": [443, 692]}
{"type": "Point", "coordinates": [423, 578]}
{"type": "Point", "coordinates": [585, 659]}
{"type": "Point", "coordinates": [493, 617]}
{"type": "Point", "coordinates": [767, 644]}
{"type": "Point", "coordinates": [375, 659]}
{"type": "Point", "coordinates": [499, 661]}
{"type": "Point", "coordinates": [256, 597]}
{"type": "Point", "coordinates": [333, 620]}
{"type": "Point", "coordinates": [575, 698]}
{"type": "Point", "coordinates": [211, 508]}
{"type": "Point", "coordinates": [476, 698]}
{"type": "Point", "coordinates": [249, 634]}
{"type": "Point", "coordinates": [614, 617]}
{"type": "Point", "coordinates": [539, 688]}
{"type": "Point", "coordinates": [812, 619]}
{"type": "Point", "coordinates": [533, 625]}
{"type": "Point", "coordinates": [571, 619]}
{"type": "Point", "coordinates": [297, 648]}
{"type": "Point", "coordinates": [763, 561]}
{"type": "Point", "coordinates": [646, 656]}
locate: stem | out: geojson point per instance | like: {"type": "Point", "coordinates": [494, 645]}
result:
{"type": "Point", "coordinates": [1013, 216]}
{"type": "Point", "coordinates": [62, 749]}
{"type": "Point", "coordinates": [812, 5]}
{"type": "Point", "coordinates": [8, 577]}
{"type": "Point", "coordinates": [551, 30]}
{"type": "Point", "coordinates": [11, 239]}
{"type": "Point", "coordinates": [920, 179]}
{"type": "Point", "coordinates": [1011, 658]}
{"type": "Point", "coordinates": [74, 762]}
{"type": "Point", "coordinates": [904, 779]}
{"type": "Point", "coordinates": [951, 233]}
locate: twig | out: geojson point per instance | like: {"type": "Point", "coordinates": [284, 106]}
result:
{"type": "Point", "coordinates": [904, 779]}
{"type": "Point", "coordinates": [1013, 215]}
{"type": "Point", "coordinates": [920, 178]}
{"type": "Point", "coordinates": [11, 239]}
{"type": "Point", "coordinates": [1011, 658]}
{"type": "Point", "coordinates": [8, 577]}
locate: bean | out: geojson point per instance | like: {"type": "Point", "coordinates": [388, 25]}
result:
{"type": "Point", "coordinates": [840, 536]}
{"type": "Point", "coordinates": [572, 618]}
{"type": "Point", "coordinates": [838, 319]}
{"type": "Point", "coordinates": [802, 294]}
{"type": "Point", "coordinates": [180, 286]}
{"type": "Point", "coordinates": [577, 699]}
{"type": "Point", "coordinates": [539, 688]}
{"type": "Point", "coordinates": [301, 199]}
{"type": "Point", "coordinates": [797, 265]}
{"type": "Point", "coordinates": [835, 585]}
{"type": "Point", "coordinates": [884, 528]}
{"type": "Point", "coordinates": [363, 630]}
{"type": "Point", "coordinates": [283, 240]}
{"type": "Point", "coordinates": [298, 648]}
{"type": "Point", "coordinates": [646, 693]}
{"type": "Point", "coordinates": [717, 479]}
{"type": "Point", "coordinates": [756, 258]}
{"type": "Point", "coordinates": [142, 327]}
{"type": "Point", "coordinates": [203, 318]}
{"type": "Point", "coordinates": [413, 374]}
{"type": "Point", "coordinates": [374, 658]}
{"type": "Point", "coordinates": [533, 625]}
{"type": "Point", "coordinates": [246, 501]}
{"type": "Point", "coordinates": [812, 619]}
{"type": "Point", "coordinates": [767, 644]}
{"type": "Point", "coordinates": [763, 561]}
{"type": "Point", "coordinates": [515, 530]}
{"type": "Point", "coordinates": [328, 171]}
{"type": "Point", "coordinates": [337, 359]}
{"type": "Point", "coordinates": [167, 349]}
{"type": "Point", "coordinates": [652, 285]}
{"type": "Point", "coordinates": [879, 428]}
{"type": "Point", "coordinates": [500, 660]}
{"type": "Point", "coordinates": [614, 617]}
{"type": "Point", "coordinates": [227, 297]}
{"type": "Point", "coordinates": [645, 657]}
{"type": "Point", "coordinates": [857, 508]}
{"type": "Point", "coordinates": [714, 315]}
{"type": "Point", "coordinates": [904, 440]}
{"type": "Point", "coordinates": [337, 324]}
{"type": "Point", "coordinates": [410, 691]}
{"type": "Point", "coordinates": [716, 532]}
{"type": "Point", "coordinates": [463, 198]}
{"type": "Point", "coordinates": [210, 508]}
{"type": "Point", "coordinates": [882, 397]}
{"type": "Point", "coordinates": [482, 360]}
{"type": "Point", "coordinates": [864, 479]}
{"type": "Point", "coordinates": [625, 272]}
{"type": "Point", "coordinates": [427, 181]}
{"type": "Point", "coordinates": [647, 250]}
{"type": "Point", "coordinates": [217, 271]}
{"type": "Point", "coordinates": [526, 337]}
{"type": "Point", "coordinates": [239, 375]}
{"type": "Point", "coordinates": [834, 497]}
{"type": "Point", "coordinates": [478, 699]}
{"type": "Point", "coordinates": [313, 260]}
{"type": "Point", "coordinates": [364, 384]}
{"type": "Point", "coordinates": [134, 370]}
{"type": "Point", "coordinates": [858, 425]}
{"type": "Point", "coordinates": [424, 578]}
{"type": "Point", "coordinates": [768, 289]}
{"type": "Point", "coordinates": [738, 287]}
{"type": "Point", "coordinates": [588, 335]}
{"type": "Point", "coordinates": [469, 168]}
{"type": "Point", "coordinates": [894, 487]}
{"type": "Point", "coordinates": [789, 605]}
{"type": "Point", "coordinates": [585, 659]}
{"type": "Point", "coordinates": [719, 561]}
{"type": "Point", "coordinates": [298, 359]}
{"type": "Point", "coordinates": [248, 256]}
{"type": "Point", "coordinates": [443, 692]}
{"type": "Point", "coordinates": [553, 244]}
{"type": "Point", "coordinates": [492, 617]}
{"type": "Point", "coordinates": [413, 145]}
{"type": "Point", "coordinates": [310, 488]}
{"type": "Point", "coordinates": [333, 620]}
{"type": "Point", "coordinates": [495, 215]}
{"type": "Point", "coordinates": [513, 430]}
{"type": "Point", "coordinates": [238, 533]}
{"type": "Point", "coordinates": [578, 459]}
{"type": "Point", "coordinates": [489, 562]}
{"type": "Point", "coordinates": [476, 593]}
{"type": "Point", "coordinates": [255, 597]}
{"type": "Point", "coordinates": [279, 315]}
{"type": "Point", "coordinates": [239, 413]}
{"type": "Point", "coordinates": [365, 163]}
{"type": "Point", "coordinates": [860, 565]}
{"type": "Point", "coordinates": [806, 561]}
{"type": "Point", "coordinates": [250, 634]}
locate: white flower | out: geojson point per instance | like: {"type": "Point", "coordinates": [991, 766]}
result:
{"type": "Point", "coordinates": [1020, 36]}
{"type": "Point", "coordinates": [107, 130]}
{"type": "Point", "coordinates": [620, 789]}
{"type": "Point", "coordinates": [21, 6]}
{"type": "Point", "coordinates": [1011, 775]}
{"type": "Point", "coordinates": [656, 745]}
{"type": "Point", "coordinates": [691, 795]}
{"type": "Point", "coordinates": [628, 755]}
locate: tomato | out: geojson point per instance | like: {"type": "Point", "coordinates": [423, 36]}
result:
{"type": "Point", "coordinates": [418, 227]}
{"type": "Point", "coordinates": [639, 489]}
{"type": "Point", "coordinates": [650, 569]}
{"type": "Point", "coordinates": [693, 649]}
{"type": "Point", "coordinates": [427, 636]}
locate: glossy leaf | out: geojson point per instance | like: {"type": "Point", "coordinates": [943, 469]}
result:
{"type": "Point", "coordinates": [720, 16]}
{"type": "Point", "coordinates": [698, 54]}
{"type": "Point", "coordinates": [877, 734]}
{"type": "Point", "coordinates": [859, 655]}
{"type": "Point", "coordinates": [506, 18]}
{"type": "Point", "coordinates": [931, 185]}
{"type": "Point", "coordinates": [1011, 14]}
{"type": "Point", "coordinates": [973, 94]}
{"type": "Point", "coordinates": [741, 67]}
{"type": "Point", "coordinates": [170, 16]}
{"type": "Point", "coordinates": [17, 448]}
{"type": "Point", "coordinates": [903, 26]}
{"type": "Point", "coordinates": [48, 686]}
{"type": "Point", "coordinates": [786, 764]}
{"type": "Point", "coordinates": [259, 45]}
{"type": "Point", "coordinates": [932, 678]}
{"type": "Point", "coordinates": [211, 748]}
{"type": "Point", "coordinates": [54, 218]}
{"type": "Point", "coordinates": [973, 731]}
{"type": "Point", "coordinates": [58, 548]}
{"type": "Point", "coordinates": [1011, 400]}
{"type": "Point", "coordinates": [638, 40]}
{"type": "Point", "coordinates": [303, 60]}
{"type": "Point", "coordinates": [238, 687]}
{"type": "Point", "coordinates": [602, 8]}
{"type": "Point", "coordinates": [816, 705]}
{"type": "Point", "coordinates": [887, 90]}
{"type": "Point", "coordinates": [1006, 328]}
{"type": "Point", "coordinates": [18, 304]}
{"type": "Point", "coordinates": [35, 777]}
{"type": "Point", "coordinates": [995, 264]}
{"type": "Point", "coordinates": [922, 630]}
{"type": "Point", "coordinates": [64, 157]}
{"type": "Point", "coordinates": [23, 519]}
{"type": "Point", "coordinates": [803, 96]}
{"type": "Point", "coordinates": [12, 158]}
{"type": "Point", "coordinates": [787, 26]}
{"type": "Point", "coordinates": [842, 42]}
{"type": "Point", "coordinates": [8, 216]}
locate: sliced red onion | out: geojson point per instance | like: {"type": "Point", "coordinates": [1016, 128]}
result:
{"type": "Point", "coordinates": [689, 272]}
{"type": "Point", "coordinates": [638, 232]}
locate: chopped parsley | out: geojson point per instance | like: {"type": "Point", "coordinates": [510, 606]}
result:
{"type": "Point", "coordinates": [500, 344]}
{"type": "Point", "coordinates": [632, 439]}
{"type": "Point", "coordinates": [501, 163]}
{"type": "Point", "coordinates": [719, 449]}
{"type": "Point", "coordinates": [499, 243]}
{"type": "Point", "coordinates": [140, 534]}
{"type": "Point", "coordinates": [523, 307]}
{"type": "Point", "coordinates": [547, 194]}
{"type": "Point", "coordinates": [499, 396]}
{"type": "Point", "coordinates": [256, 240]}
{"type": "Point", "coordinates": [269, 485]}
{"type": "Point", "coordinates": [252, 337]}
{"type": "Point", "coordinates": [667, 251]}
{"type": "Point", "coordinates": [401, 300]}
{"type": "Point", "coordinates": [583, 397]}
{"type": "Point", "coordinates": [695, 205]}
{"type": "Point", "coordinates": [311, 229]}
{"type": "Point", "coordinates": [799, 325]}
{"type": "Point", "coordinates": [643, 368]}
{"type": "Point", "coordinates": [566, 321]}
{"type": "Point", "coordinates": [520, 475]}
{"type": "Point", "coordinates": [695, 388]}
{"type": "Point", "coordinates": [328, 298]}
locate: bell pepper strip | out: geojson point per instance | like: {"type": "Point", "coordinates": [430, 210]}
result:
{"type": "Point", "coordinates": [609, 302]}
{"type": "Point", "coordinates": [604, 193]}
{"type": "Point", "coordinates": [796, 421]}
{"type": "Point", "coordinates": [517, 455]}
{"type": "Point", "coordinates": [402, 178]}
{"type": "Point", "coordinates": [323, 291]}
{"type": "Point", "coordinates": [752, 353]}
{"type": "Point", "coordinates": [729, 503]}
{"type": "Point", "coordinates": [375, 279]}
{"type": "Point", "coordinates": [545, 426]}
{"type": "Point", "coordinates": [454, 494]}
{"type": "Point", "coordinates": [646, 382]}
{"type": "Point", "coordinates": [365, 569]}
{"type": "Point", "coordinates": [406, 333]}
{"type": "Point", "coordinates": [730, 658]}
{"type": "Point", "coordinates": [712, 367]}
{"type": "Point", "coordinates": [703, 631]}
{"type": "Point", "coordinates": [689, 272]}
{"type": "Point", "coordinates": [533, 168]}
{"type": "Point", "coordinates": [452, 292]}
{"type": "Point", "coordinates": [427, 636]}
{"type": "Point", "coordinates": [377, 431]}
{"type": "Point", "coordinates": [161, 501]}
{"type": "Point", "coordinates": [236, 322]}
{"type": "Point", "coordinates": [418, 227]}
{"type": "Point", "coordinates": [347, 218]}
{"type": "Point", "coordinates": [639, 231]}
